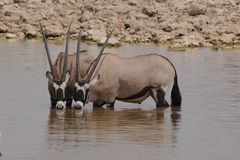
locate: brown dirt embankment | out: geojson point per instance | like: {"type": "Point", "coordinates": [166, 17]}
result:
{"type": "Point", "coordinates": [180, 23]}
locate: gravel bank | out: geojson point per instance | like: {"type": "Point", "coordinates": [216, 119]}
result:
{"type": "Point", "coordinates": [179, 23]}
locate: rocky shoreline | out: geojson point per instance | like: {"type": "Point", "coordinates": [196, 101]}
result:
{"type": "Point", "coordinates": [178, 23]}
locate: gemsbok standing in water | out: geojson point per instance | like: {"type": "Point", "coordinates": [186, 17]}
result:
{"type": "Point", "coordinates": [131, 79]}
{"type": "Point", "coordinates": [61, 79]}
{"type": "Point", "coordinates": [58, 77]}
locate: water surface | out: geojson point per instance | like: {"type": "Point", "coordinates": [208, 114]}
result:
{"type": "Point", "coordinates": [207, 126]}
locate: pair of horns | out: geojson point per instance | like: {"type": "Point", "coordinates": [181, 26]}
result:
{"type": "Point", "coordinates": [91, 71]}
{"type": "Point", "coordinates": [64, 68]}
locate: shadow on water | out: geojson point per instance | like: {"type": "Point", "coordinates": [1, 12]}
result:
{"type": "Point", "coordinates": [99, 126]}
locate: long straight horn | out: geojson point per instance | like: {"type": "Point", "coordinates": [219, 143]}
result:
{"type": "Point", "coordinates": [64, 69]}
{"type": "Point", "coordinates": [98, 57]}
{"type": "Point", "coordinates": [47, 50]}
{"type": "Point", "coordinates": [77, 59]}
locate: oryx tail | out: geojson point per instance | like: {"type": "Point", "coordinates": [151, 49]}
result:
{"type": "Point", "coordinates": [175, 94]}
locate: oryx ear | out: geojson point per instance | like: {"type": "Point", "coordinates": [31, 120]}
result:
{"type": "Point", "coordinates": [49, 76]}
{"type": "Point", "coordinates": [94, 80]}
{"type": "Point", "coordinates": [67, 77]}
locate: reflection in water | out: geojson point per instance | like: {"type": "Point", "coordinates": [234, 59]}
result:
{"type": "Point", "coordinates": [99, 126]}
{"type": "Point", "coordinates": [175, 115]}
{"type": "Point", "coordinates": [65, 126]}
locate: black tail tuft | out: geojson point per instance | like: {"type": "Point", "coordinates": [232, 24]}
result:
{"type": "Point", "coordinates": [176, 95]}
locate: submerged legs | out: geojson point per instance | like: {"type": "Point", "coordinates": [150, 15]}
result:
{"type": "Point", "coordinates": [69, 103]}
{"type": "Point", "coordinates": [159, 97]}
{"type": "Point", "coordinates": [111, 105]}
{"type": "Point", "coordinates": [53, 103]}
{"type": "Point", "coordinates": [97, 105]}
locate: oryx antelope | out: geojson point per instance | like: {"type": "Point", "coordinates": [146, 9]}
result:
{"type": "Point", "coordinates": [61, 79]}
{"type": "Point", "coordinates": [82, 84]}
{"type": "Point", "coordinates": [131, 79]}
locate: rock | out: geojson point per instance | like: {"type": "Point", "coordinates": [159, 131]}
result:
{"type": "Point", "coordinates": [131, 31]}
{"type": "Point", "coordinates": [127, 25]}
{"type": "Point", "coordinates": [132, 2]}
{"type": "Point", "coordinates": [3, 28]}
{"type": "Point", "coordinates": [206, 44]}
{"type": "Point", "coordinates": [176, 47]}
{"type": "Point", "coordinates": [54, 31]}
{"type": "Point", "coordinates": [149, 11]}
{"type": "Point", "coordinates": [178, 29]}
{"type": "Point", "coordinates": [227, 38]}
{"type": "Point", "coordinates": [195, 10]}
{"type": "Point", "coordinates": [10, 36]}
{"type": "Point", "coordinates": [3, 2]}
{"type": "Point", "coordinates": [167, 29]}
{"type": "Point", "coordinates": [20, 35]}
{"type": "Point", "coordinates": [199, 22]}
{"type": "Point", "coordinates": [112, 42]}
{"type": "Point", "coordinates": [215, 3]}
{"type": "Point", "coordinates": [179, 33]}
{"type": "Point", "coordinates": [187, 23]}
{"type": "Point", "coordinates": [238, 34]}
{"type": "Point", "coordinates": [30, 31]}
{"type": "Point", "coordinates": [237, 2]}
{"type": "Point", "coordinates": [95, 35]}
{"type": "Point", "coordinates": [20, 1]}
{"type": "Point", "coordinates": [22, 18]}
{"type": "Point", "coordinates": [64, 2]}
{"type": "Point", "coordinates": [128, 39]}
{"type": "Point", "coordinates": [235, 30]}
{"type": "Point", "coordinates": [86, 16]}
{"type": "Point", "coordinates": [161, 1]}
{"type": "Point", "coordinates": [193, 40]}
{"type": "Point", "coordinates": [89, 7]}
{"type": "Point", "coordinates": [132, 24]}
{"type": "Point", "coordinates": [167, 37]}
{"type": "Point", "coordinates": [8, 13]}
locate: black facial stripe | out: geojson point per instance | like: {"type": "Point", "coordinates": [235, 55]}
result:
{"type": "Point", "coordinates": [79, 96]}
{"type": "Point", "coordinates": [53, 95]}
{"type": "Point", "coordinates": [59, 94]}
{"type": "Point", "coordinates": [86, 94]}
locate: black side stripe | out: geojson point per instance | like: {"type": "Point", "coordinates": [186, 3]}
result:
{"type": "Point", "coordinates": [137, 95]}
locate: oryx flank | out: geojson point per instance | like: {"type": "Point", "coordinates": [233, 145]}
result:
{"type": "Point", "coordinates": [61, 79]}
{"type": "Point", "coordinates": [131, 79]}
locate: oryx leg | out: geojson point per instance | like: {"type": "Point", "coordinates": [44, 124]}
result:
{"type": "Point", "coordinates": [69, 103]}
{"type": "Point", "coordinates": [53, 103]}
{"type": "Point", "coordinates": [159, 97]}
{"type": "Point", "coordinates": [111, 105]}
{"type": "Point", "coordinates": [97, 105]}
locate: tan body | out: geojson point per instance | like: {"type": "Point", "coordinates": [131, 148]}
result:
{"type": "Point", "coordinates": [124, 78]}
